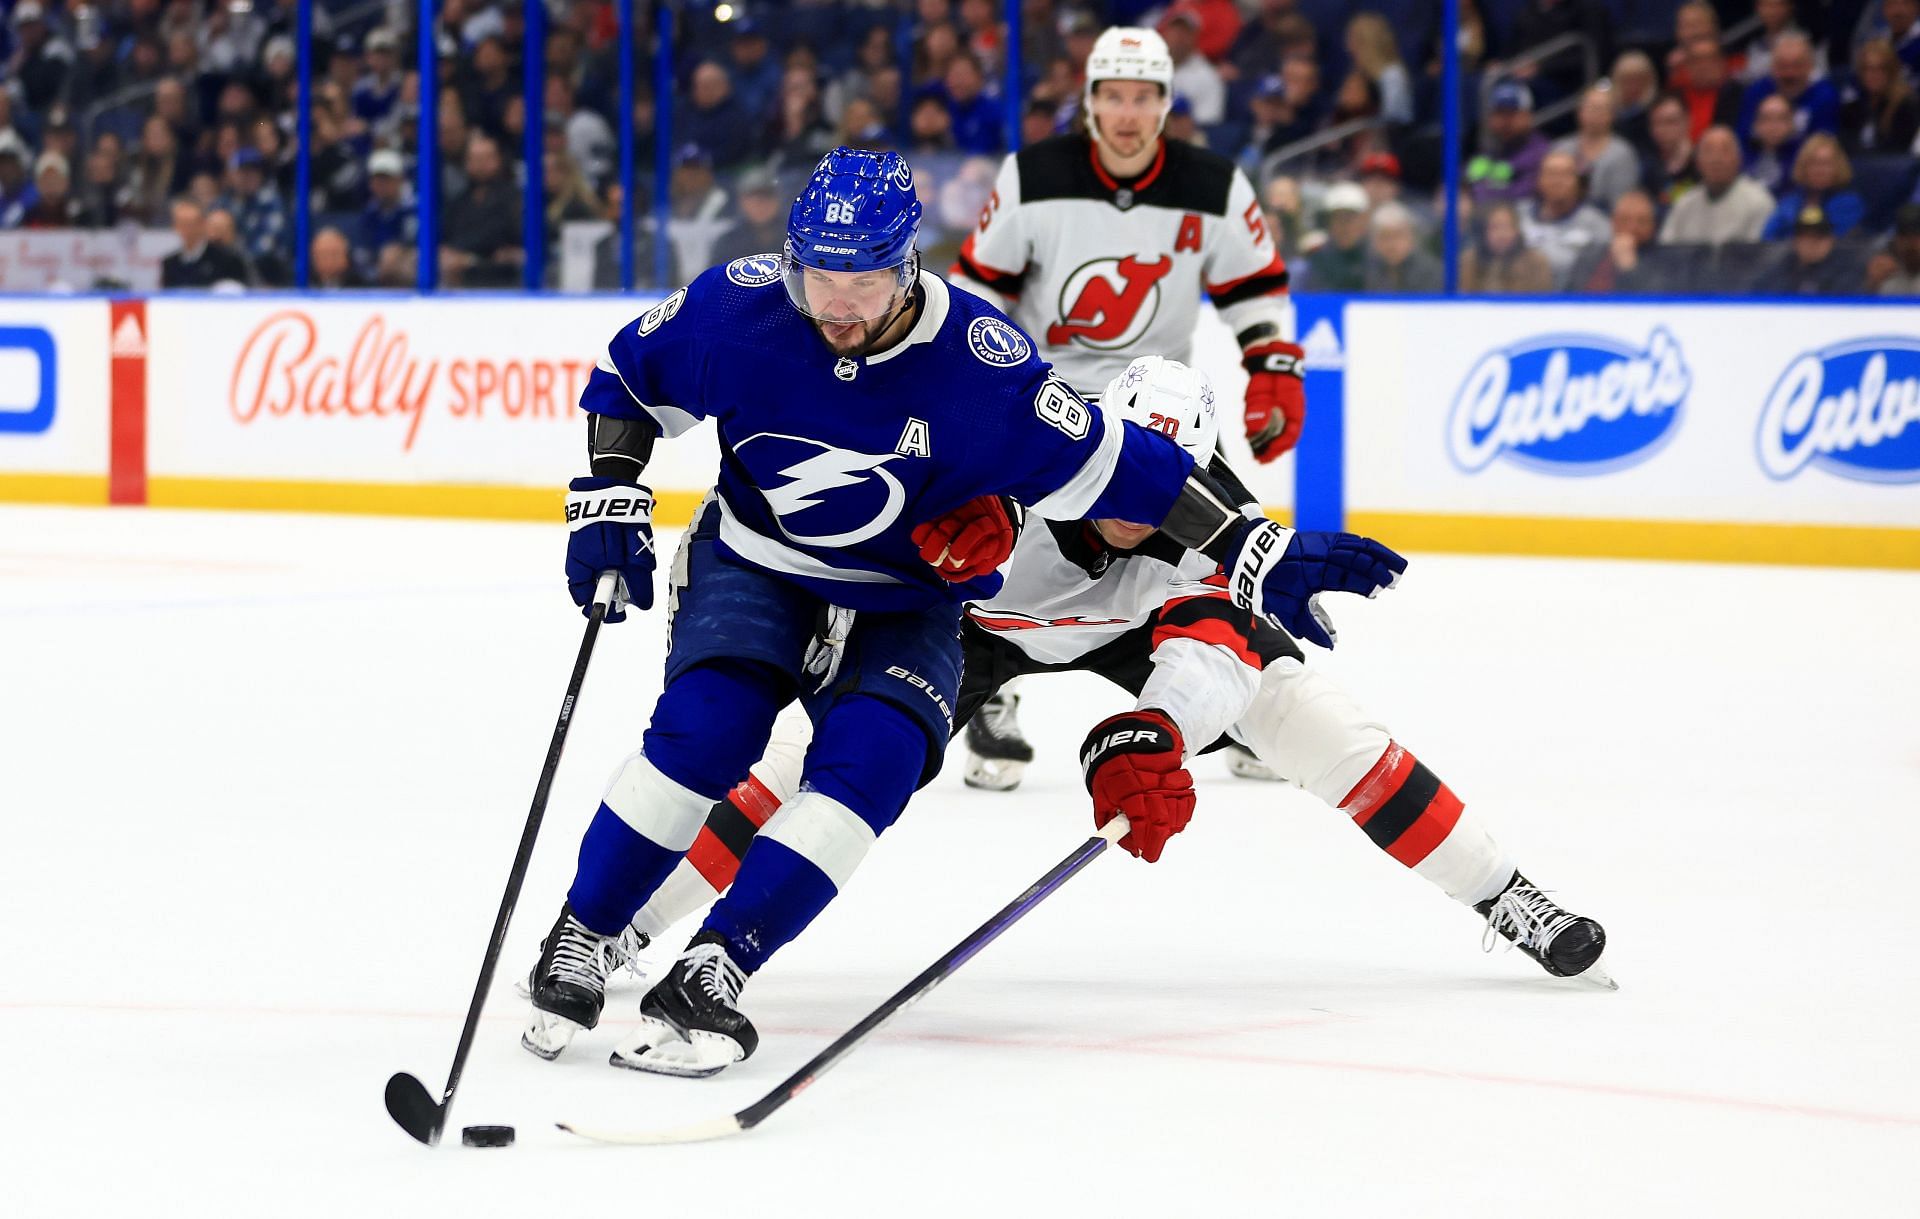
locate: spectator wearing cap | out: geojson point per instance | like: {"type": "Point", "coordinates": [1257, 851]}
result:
{"type": "Point", "coordinates": [1498, 261]}
{"type": "Point", "coordinates": [762, 227]}
{"type": "Point", "coordinates": [54, 206]}
{"type": "Point", "coordinates": [42, 59]}
{"type": "Point", "coordinates": [1292, 102]}
{"type": "Point", "coordinates": [1216, 25]}
{"type": "Point", "coordinates": [1712, 95]}
{"type": "Point", "coordinates": [1878, 110]}
{"type": "Point", "coordinates": [266, 236]}
{"type": "Point", "coordinates": [1895, 271]}
{"type": "Point", "coordinates": [714, 119]}
{"type": "Point", "coordinates": [1636, 87]}
{"type": "Point", "coordinates": [1340, 262]}
{"type": "Point", "coordinates": [1823, 175]}
{"type": "Point", "coordinates": [1816, 103]}
{"type": "Point", "coordinates": [1180, 124]}
{"type": "Point", "coordinates": [1395, 261]}
{"type": "Point", "coordinates": [1772, 146]}
{"type": "Point", "coordinates": [751, 69]}
{"type": "Point", "coordinates": [198, 263]}
{"type": "Point", "coordinates": [390, 217]}
{"type": "Point", "coordinates": [1194, 76]}
{"type": "Point", "coordinates": [377, 91]}
{"type": "Point", "coordinates": [1606, 162]}
{"type": "Point", "coordinates": [1514, 149]}
{"type": "Point", "coordinates": [1558, 221]}
{"type": "Point", "coordinates": [1541, 21]}
{"type": "Point", "coordinates": [330, 262]}
{"type": "Point", "coordinates": [17, 195]}
{"type": "Point", "coordinates": [1667, 171]}
{"type": "Point", "coordinates": [1813, 263]}
{"type": "Point", "coordinates": [1622, 266]}
{"type": "Point", "coordinates": [696, 206]}
{"type": "Point", "coordinates": [480, 229]}
{"type": "Point", "coordinates": [1376, 55]}
{"type": "Point", "coordinates": [1726, 205]}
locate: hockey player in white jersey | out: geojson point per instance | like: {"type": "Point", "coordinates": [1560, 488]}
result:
{"type": "Point", "coordinates": [1101, 247]}
{"type": "Point", "coordinates": [1124, 601]}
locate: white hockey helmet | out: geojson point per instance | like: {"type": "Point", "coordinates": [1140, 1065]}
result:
{"type": "Point", "coordinates": [1168, 397]}
{"type": "Point", "coordinates": [1129, 52]}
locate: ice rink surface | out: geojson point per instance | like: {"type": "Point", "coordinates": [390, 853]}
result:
{"type": "Point", "coordinates": [261, 778]}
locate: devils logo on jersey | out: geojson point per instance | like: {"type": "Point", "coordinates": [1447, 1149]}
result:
{"type": "Point", "coordinates": [1109, 303]}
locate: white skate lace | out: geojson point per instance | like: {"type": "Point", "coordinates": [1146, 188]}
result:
{"type": "Point", "coordinates": [1529, 916]}
{"type": "Point", "coordinates": [715, 973]}
{"type": "Point", "coordinates": [585, 958]}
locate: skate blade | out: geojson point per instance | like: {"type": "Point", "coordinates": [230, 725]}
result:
{"type": "Point", "coordinates": [658, 1048]}
{"type": "Point", "coordinates": [994, 774]}
{"type": "Point", "coordinates": [547, 1034]}
{"type": "Point", "coordinates": [1596, 975]}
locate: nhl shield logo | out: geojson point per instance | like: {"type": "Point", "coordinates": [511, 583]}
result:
{"type": "Point", "coordinates": [997, 343]}
{"type": "Point", "coordinates": [754, 270]}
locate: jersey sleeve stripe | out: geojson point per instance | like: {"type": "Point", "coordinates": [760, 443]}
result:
{"type": "Point", "coordinates": [1267, 281]}
{"type": "Point", "coordinates": [1007, 283]}
{"type": "Point", "coordinates": [1070, 501]}
{"type": "Point", "coordinates": [598, 395]}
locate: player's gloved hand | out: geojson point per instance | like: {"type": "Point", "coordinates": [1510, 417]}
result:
{"type": "Point", "coordinates": [1279, 574]}
{"type": "Point", "coordinates": [1132, 763]}
{"type": "Point", "coordinates": [969, 541]}
{"type": "Point", "coordinates": [1276, 397]}
{"type": "Point", "coordinates": [611, 529]}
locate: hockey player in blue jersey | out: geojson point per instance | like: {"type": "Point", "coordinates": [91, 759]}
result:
{"type": "Point", "coordinates": [869, 416]}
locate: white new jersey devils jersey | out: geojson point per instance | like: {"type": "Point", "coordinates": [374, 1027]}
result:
{"type": "Point", "coordinates": [1099, 271]}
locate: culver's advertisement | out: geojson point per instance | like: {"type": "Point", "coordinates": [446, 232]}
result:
{"type": "Point", "coordinates": [53, 387]}
{"type": "Point", "coordinates": [1676, 412]}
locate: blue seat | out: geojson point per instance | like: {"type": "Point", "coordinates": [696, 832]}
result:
{"type": "Point", "coordinates": [1884, 183]}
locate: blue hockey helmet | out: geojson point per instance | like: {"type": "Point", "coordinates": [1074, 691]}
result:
{"type": "Point", "coordinates": [858, 213]}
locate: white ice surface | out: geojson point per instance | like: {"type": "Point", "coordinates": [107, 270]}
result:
{"type": "Point", "coordinates": [261, 778]}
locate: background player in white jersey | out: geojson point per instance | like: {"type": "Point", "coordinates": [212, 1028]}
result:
{"type": "Point", "coordinates": [1124, 601]}
{"type": "Point", "coordinates": [1101, 247]}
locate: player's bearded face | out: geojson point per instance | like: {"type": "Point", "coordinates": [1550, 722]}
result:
{"type": "Point", "coordinates": [850, 309]}
{"type": "Point", "coordinates": [1128, 113]}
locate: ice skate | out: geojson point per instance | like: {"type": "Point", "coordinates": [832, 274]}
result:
{"type": "Point", "coordinates": [1243, 763]}
{"type": "Point", "coordinates": [997, 755]}
{"type": "Point", "coordinates": [1566, 945]}
{"type": "Point", "coordinates": [690, 1022]}
{"type": "Point", "coordinates": [568, 985]}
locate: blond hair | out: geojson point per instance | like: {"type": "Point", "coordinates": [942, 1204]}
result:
{"type": "Point", "coordinates": [1374, 49]}
{"type": "Point", "coordinates": [1843, 168]}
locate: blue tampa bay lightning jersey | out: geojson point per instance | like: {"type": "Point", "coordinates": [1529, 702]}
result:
{"type": "Point", "coordinates": [828, 463]}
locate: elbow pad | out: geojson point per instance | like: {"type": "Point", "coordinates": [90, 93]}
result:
{"type": "Point", "coordinates": [619, 448]}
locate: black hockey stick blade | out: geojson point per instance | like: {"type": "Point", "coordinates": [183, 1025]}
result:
{"type": "Point", "coordinates": [409, 1104]}
{"type": "Point", "coordinates": [936, 973]}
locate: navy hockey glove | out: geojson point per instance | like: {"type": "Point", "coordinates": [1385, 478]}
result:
{"type": "Point", "coordinates": [1132, 764]}
{"type": "Point", "coordinates": [611, 529]}
{"type": "Point", "coordinates": [1280, 574]}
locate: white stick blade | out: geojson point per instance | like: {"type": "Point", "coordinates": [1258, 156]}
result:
{"type": "Point", "coordinates": [699, 1132]}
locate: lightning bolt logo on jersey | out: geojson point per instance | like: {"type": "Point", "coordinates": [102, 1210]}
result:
{"type": "Point", "coordinates": [823, 477]}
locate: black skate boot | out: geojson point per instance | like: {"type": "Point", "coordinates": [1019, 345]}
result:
{"type": "Point", "coordinates": [690, 1022]}
{"type": "Point", "coordinates": [997, 755]}
{"type": "Point", "coordinates": [1566, 945]}
{"type": "Point", "coordinates": [568, 985]}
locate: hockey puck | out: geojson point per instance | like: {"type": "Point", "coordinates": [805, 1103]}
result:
{"type": "Point", "coordinates": [487, 1136]}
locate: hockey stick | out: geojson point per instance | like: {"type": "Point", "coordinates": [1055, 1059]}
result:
{"type": "Point", "coordinates": [936, 973]}
{"type": "Point", "coordinates": [408, 1100]}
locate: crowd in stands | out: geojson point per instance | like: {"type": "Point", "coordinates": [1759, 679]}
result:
{"type": "Point", "coordinates": [1651, 146]}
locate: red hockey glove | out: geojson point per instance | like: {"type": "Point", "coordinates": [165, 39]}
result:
{"type": "Point", "coordinates": [969, 541]}
{"type": "Point", "coordinates": [1276, 397]}
{"type": "Point", "coordinates": [1132, 765]}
